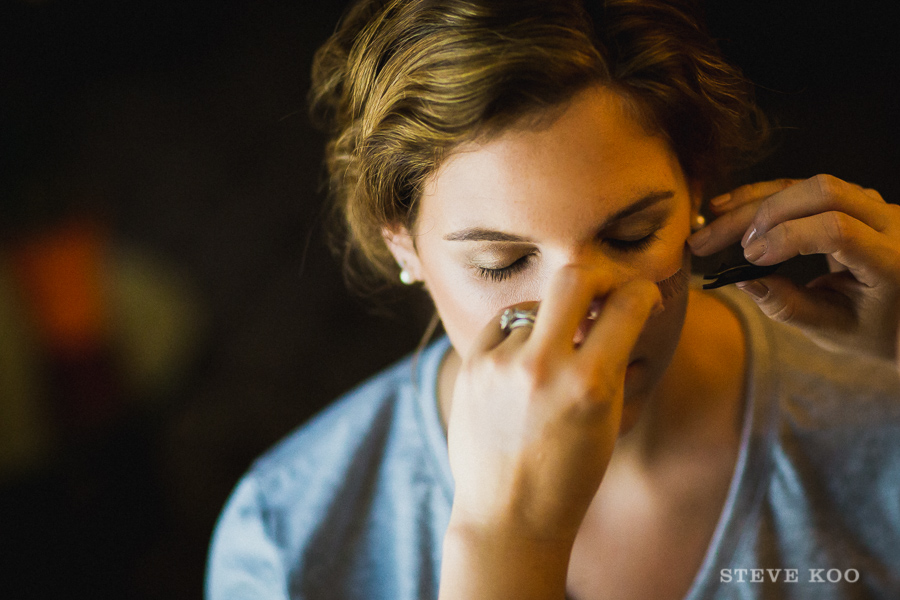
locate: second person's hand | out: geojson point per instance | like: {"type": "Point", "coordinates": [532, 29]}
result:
{"type": "Point", "coordinates": [855, 306]}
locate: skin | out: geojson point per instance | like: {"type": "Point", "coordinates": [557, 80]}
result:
{"type": "Point", "coordinates": [595, 208]}
{"type": "Point", "coordinates": [857, 305]}
{"type": "Point", "coordinates": [561, 434]}
{"type": "Point", "coordinates": [557, 188]}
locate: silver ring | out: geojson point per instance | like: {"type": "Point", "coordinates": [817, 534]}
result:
{"type": "Point", "coordinates": [513, 318]}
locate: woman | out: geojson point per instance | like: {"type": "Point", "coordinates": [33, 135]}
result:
{"type": "Point", "coordinates": [590, 426]}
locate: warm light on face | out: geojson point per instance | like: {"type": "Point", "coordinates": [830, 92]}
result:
{"type": "Point", "coordinates": [592, 188]}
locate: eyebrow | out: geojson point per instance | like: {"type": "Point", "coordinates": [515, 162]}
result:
{"type": "Point", "coordinates": [480, 234]}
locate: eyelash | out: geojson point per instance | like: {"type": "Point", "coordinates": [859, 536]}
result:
{"type": "Point", "coordinates": [503, 273]}
{"type": "Point", "coordinates": [638, 245]}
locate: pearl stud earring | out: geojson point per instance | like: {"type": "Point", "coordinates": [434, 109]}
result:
{"type": "Point", "coordinates": [698, 222]}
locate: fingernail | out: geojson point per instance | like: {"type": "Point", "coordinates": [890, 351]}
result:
{"type": "Point", "coordinates": [749, 237]}
{"type": "Point", "coordinates": [720, 200]}
{"type": "Point", "coordinates": [699, 238]}
{"type": "Point", "coordinates": [756, 249]}
{"type": "Point", "coordinates": [753, 288]}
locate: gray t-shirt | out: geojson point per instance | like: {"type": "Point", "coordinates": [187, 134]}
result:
{"type": "Point", "coordinates": [354, 504]}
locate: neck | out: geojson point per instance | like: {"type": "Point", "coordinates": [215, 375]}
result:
{"type": "Point", "coordinates": [699, 400]}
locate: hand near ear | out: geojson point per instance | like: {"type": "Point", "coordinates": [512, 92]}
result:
{"type": "Point", "coordinates": [857, 304]}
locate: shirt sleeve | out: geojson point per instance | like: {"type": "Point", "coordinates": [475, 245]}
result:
{"type": "Point", "coordinates": [245, 562]}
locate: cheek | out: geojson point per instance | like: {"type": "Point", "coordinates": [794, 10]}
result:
{"type": "Point", "coordinates": [464, 305]}
{"type": "Point", "coordinates": [670, 255]}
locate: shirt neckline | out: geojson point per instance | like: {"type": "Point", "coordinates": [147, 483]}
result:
{"type": "Point", "coordinates": [747, 484]}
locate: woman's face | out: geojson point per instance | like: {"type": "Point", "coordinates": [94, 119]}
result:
{"type": "Point", "coordinates": [499, 218]}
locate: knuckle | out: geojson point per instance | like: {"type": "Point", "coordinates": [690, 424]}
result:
{"type": "Point", "coordinates": [838, 229]}
{"type": "Point", "coordinates": [590, 407]}
{"type": "Point", "coordinates": [828, 186]}
{"type": "Point", "coordinates": [765, 215]}
{"type": "Point", "coordinates": [590, 390]}
{"type": "Point", "coordinates": [875, 194]}
{"type": "Point", "coordinates": [785, 182]}
{"type": "Point", "coordinates": [492, 362]}
{"type": "Point", "coordinates": [534, 370]}
{"type": "Point", "coordinates": [781, 311]}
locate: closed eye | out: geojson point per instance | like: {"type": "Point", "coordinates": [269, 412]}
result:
{"type": "Point", "coordinates": [502, 273]}
{"type": "Point", "coordinates": [635, 245]}
{"type": "Point", "coordinates": [618, 244]}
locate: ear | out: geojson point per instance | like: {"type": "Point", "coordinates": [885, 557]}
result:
{"type": "Point", "coordinates": [695, 187]}
{"type": "Point", "coordinates": [401, 244]}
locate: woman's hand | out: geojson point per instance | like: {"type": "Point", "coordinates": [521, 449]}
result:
{"type": "Point", "coordinates": [532, 427]}
{"type": "Point", "coordinates": [856, 305]}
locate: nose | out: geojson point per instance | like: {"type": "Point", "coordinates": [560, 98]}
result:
{"type": "Point", "coordinates": [599, 273]}
{"type": "Point", "coordinates": [605, 273]}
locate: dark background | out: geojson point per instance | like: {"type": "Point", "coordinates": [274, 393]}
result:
{"type": "Point", "coordinates": [181, 126]}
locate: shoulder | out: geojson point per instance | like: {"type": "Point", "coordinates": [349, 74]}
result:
{"type": "Point", "coordinates": [339, 431]}
{"type": "Point", "coordinates": [816, 387]}
{"type": "Point", "coordinates": [831, 419]}
{"type": "Point", "coordinates": [331, 457]}
{"type": "Point", "coordinates": [824, 447]}
{"type": "Point", "coordinates": [317, 495]}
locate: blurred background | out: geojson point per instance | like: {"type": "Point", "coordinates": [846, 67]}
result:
{"type": "Point", "coordinates": [168, 307]}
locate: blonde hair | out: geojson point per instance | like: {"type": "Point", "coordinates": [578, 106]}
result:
{"type": "Point", "coordinates": [402, 82]}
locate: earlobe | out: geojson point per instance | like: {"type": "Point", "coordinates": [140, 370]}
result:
{"type": "Point", "coordinates": [400, 243]}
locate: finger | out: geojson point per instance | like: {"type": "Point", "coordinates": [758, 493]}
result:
{"type": "Point", "coordinates": [492, 335]}
{"type": "Point", "coordinates": [783, 301]}
{"type": "Point", "coordinates": [749, 193]}
{"type": "Point", "coordinates": [515, 338]}
{"type": "Point", "coordinates": [833, 265]}
{"type": "Point", "coordinates": [869, 255]}
{"type": "Point", "coordinates": [724, 231]}
{"type": "Point", "coordinates": [874, 194]}
{"type": "Point", "coordinates": [565, 305]}
{"type": "Point", "coordinates": [822, 193]}
{"type": "Point", "coordinates": [612, 338]}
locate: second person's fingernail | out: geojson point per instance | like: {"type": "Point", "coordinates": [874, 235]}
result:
{"type": "Point", "coordinates": [754, 288]}
{"type": "Point", "coordinates": [720, 200]}
{"type": "Point", "coordinates": [749, 237]}
{"type": "Point", "coordinates": [756, 249]}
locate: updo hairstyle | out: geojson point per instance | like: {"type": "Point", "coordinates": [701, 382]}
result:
{"type": "Point", "coordinates": [401, 83]}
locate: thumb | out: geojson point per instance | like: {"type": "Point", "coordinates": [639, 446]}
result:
{"type": "Point", "coordinates": [810, 309]}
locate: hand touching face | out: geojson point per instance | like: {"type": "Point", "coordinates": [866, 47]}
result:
{"type": "Point", "coordinates": [590, 189]}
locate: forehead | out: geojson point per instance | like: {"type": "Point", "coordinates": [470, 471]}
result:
{"type": "Point", "coordinates": [589, 161]}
